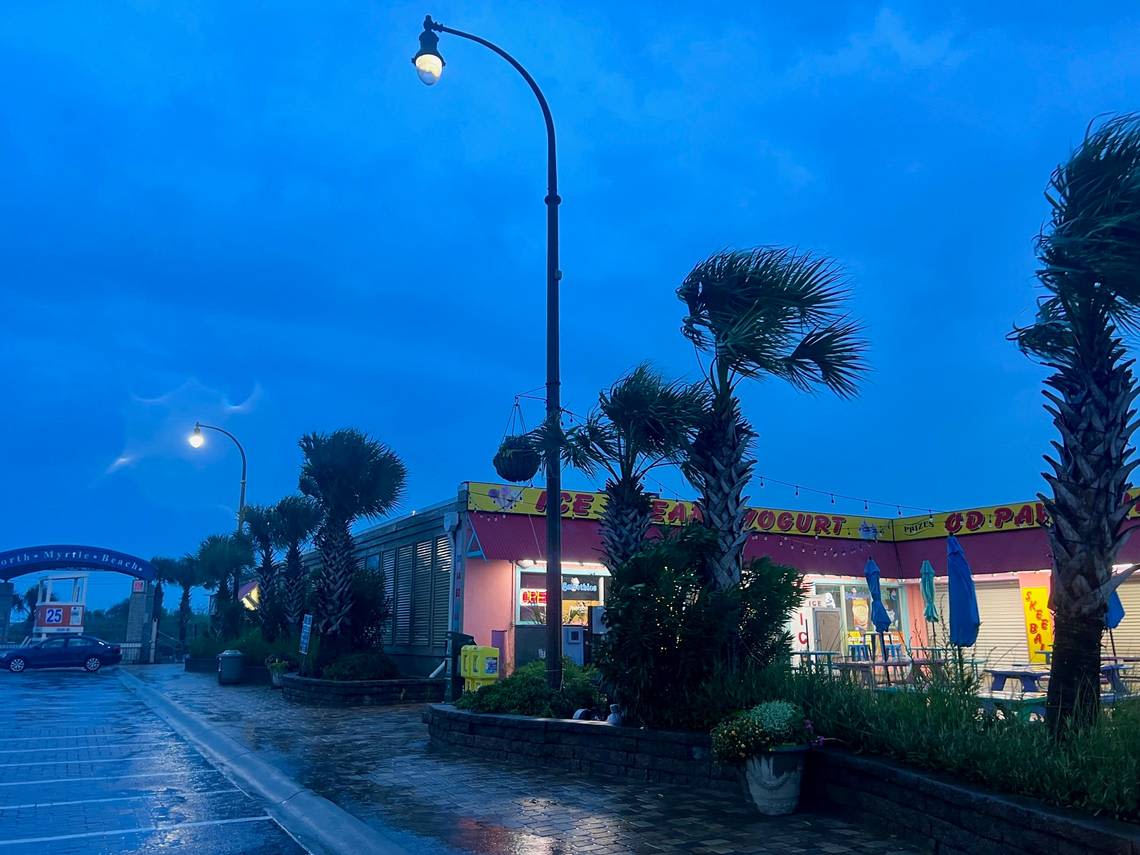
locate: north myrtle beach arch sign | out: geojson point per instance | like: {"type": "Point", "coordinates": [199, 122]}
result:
{"type": "Point", "coordinates": [33, 559]}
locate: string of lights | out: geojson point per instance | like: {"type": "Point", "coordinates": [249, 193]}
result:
{"type": "Point", "coordinates": [764, 479]}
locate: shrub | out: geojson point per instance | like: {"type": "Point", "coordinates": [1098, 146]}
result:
{"type": "Point", "coordinates": [941, 729]}
{"type": "Point", "coordinates": [526, 692]}
{"type": "Point", "coordinates": [369, 665]}
{"type": "Point", "coordinates": [671, 634]}
{"type": "Point", "coordinates": [371, 609]}
{"type": "Point", "coordinates": [762, 728]}
{"type": "Point", "coordinates": [252, 644]}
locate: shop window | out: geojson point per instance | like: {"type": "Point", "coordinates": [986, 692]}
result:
{"type": "Point", "coordinates": [579, 592]}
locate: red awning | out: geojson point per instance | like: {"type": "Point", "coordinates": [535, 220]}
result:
{"type": "Point", "coordinates": [520, 537]}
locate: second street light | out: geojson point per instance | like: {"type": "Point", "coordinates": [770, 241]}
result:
{"type": "Point", "coordinates": [197, 440]}
{"type": "Point", "coordinates": [429, 65]}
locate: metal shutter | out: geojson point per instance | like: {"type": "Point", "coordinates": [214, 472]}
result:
{"type": "Point", "coordinates": [388, 564]}
{"type": "Point", "coordinates": [421, 595]}
{"type": "Point", "coordinates": [1001, 638]}
{"type": "Point", "coordinates": [441, 592]}
{"type": "Point", "coordinates": [1127, 635]}
{"type": "Point", "coordinates": [403, 617]}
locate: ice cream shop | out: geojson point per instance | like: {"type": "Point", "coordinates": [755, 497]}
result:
{"type": "Point", "coordinates": [483, 573]}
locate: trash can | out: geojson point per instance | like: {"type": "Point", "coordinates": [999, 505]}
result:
{"type": "Point", "coordinates": [458, 640]}
{"type": "Point", "coordinates": [229, 666]}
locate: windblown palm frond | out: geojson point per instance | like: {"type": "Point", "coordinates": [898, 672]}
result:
{"type": "Point", "coordinates": [351, 475]}
{"type": "Point", "coordinates": [774, 311]}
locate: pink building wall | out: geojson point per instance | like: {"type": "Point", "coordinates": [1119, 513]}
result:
{"type": "Point", "coordinates": [489, 602]}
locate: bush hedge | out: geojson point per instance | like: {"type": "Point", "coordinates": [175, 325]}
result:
{"type": "Point", "coordinates": [251, 643]}
{"type": "Point", "coordinates": [941, 729]}
{"type": "Point", "coordinates": [369, 665]}
{"type": "Point", "coordinates": [526, 692]}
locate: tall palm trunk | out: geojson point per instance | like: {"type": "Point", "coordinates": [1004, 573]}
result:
{"type": "Point", "coordinates": [183, 614]}
{"type": "Point", "coordinates": [293, 586]}
{"type": "Point", "coordinates": [334, 585]}
{"type": "Point", "coordinates": [1091, 410]}
{"type": "Point", "coordinates": [625, 521]}
{"type": "Point", "coordinates": [719, 466]}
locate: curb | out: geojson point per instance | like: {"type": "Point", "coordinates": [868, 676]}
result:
{"type": "Point", "coordinates": [318, 824]}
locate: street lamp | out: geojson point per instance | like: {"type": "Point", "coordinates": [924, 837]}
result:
{"type": "Point", "coordinates": [429, 65]}
{"type": "Point", "coordinates": [197, 440]}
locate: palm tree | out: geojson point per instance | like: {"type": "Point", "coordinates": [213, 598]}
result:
{"type": "Point", "coordinates": [762, 312]}
{"type": "Point", "coordinates": [296, 519]}
{"type": "Point", "coordinates": [1090, 270]}
{"type": "Point", "coordinates": [641, 422]}
{"type": "Point", "coordinates": [350, 476]}
{"type": "Point", "coordinates": [186, 574]}
{"type": "Point", "coordinates": [260, 525]}
{"type": "Point", "coordinates": [222, 560]}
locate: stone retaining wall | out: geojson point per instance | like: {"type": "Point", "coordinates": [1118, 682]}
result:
{"type": "Point", "coordinates": [590, 747]}
{"type": "Point", "coordinates": [954, 818]}
{"type": "Point", "coordinates": [349, 693]}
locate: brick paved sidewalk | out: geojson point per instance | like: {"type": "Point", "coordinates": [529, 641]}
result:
{"type": "Point", "coordinates": [374, 763]}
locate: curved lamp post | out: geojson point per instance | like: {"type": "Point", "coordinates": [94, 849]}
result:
{"type": "Point", "coordinates": [429, 65]}
{"type": "Point", "coordinates": [197, 440]}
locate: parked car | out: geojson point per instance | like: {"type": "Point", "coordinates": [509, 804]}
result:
{"type": "Point", "coordinates": [63, 651]}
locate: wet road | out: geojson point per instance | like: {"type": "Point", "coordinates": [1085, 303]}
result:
{"type": "Point", "coordinates": [86, 768]}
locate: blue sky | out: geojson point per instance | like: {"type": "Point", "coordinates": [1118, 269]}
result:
{"type": "Point", "coordinates": [255, 215]}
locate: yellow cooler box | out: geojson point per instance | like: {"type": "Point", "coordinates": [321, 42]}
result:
{"type": "Point", "coordinates": [478, 666]}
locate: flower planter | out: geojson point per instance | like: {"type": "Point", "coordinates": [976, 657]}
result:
{"type": "Point", "coordinates": [774, 780]}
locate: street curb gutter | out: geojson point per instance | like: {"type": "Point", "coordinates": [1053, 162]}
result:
{"type": "Point", "coordinates": [318, 824]}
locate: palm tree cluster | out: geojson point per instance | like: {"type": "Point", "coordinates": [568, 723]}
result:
{"type": "Point", "coordinates": [766, 312]}
{"type": "Point", "coordinates": [1090, 273]}
{"type": "Point", "coordinates": [345, 476]}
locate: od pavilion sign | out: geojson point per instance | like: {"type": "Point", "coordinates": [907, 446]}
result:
{"type": "Point", "coordinates": [532, 501]}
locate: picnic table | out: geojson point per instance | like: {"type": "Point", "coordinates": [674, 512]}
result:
{"type": "Point", "coordinates": [1029, 678]}
{"type": "Point", "coordinates": [1111, 673]}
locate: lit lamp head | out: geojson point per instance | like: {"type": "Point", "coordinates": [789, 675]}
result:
{"type": "Point", "coordinates": [196, 439]}
{"type": "Point", "coordinates": [429, 64]}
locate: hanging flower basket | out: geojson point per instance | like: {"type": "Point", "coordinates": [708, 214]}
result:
{"type": "Point", "coordinates": [517, 459]}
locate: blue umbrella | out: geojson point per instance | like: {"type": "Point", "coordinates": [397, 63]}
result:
{"type": "Point", "coordinates": [930, 610]}
{"type": "Point", "coordinates": [1115, 610]}
{"type": "Point", "coordinates": [964, 617]}
{"type": "Point", "coordinates": [879, 616]}
{"type": "Point", "coordinates": [1113, 617]}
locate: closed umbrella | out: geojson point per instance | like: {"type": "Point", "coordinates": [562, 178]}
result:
{"type": "Point", "coordinates": [930, 608]}
{"type": "Point", "coordinates": [964, 617]}
{"type": "Point", "coordinates": [879, 616]}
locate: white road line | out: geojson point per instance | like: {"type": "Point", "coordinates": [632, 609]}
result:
{"type": "Point", "coordinates": [98, 747]}
{"type": "Point", "coordinates": [167, 775]}
{"type": "Point", "coordinates": [77, 762]}
{"type": "Point", "coordinates": [173, 826]}
{"type": "Point", "coordinates": [86, 736]}
{"type": "Point", "coordinates": [145, 795]}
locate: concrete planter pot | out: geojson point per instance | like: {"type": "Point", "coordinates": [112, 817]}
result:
{"type": "Point", "coordinates": [774, 779]}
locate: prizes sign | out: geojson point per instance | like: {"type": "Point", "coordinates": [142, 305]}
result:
{"type": "Point", "coordinates": [1038, 622]}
